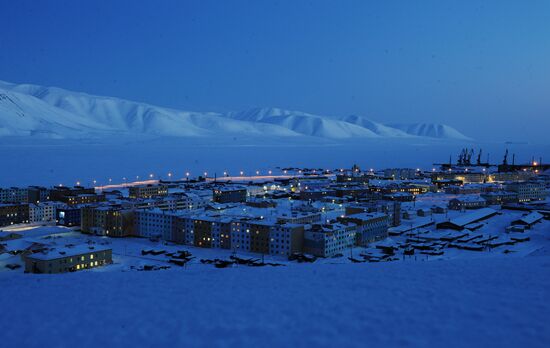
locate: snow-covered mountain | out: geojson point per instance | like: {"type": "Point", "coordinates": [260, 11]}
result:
{"type": "Point", "coordinates": [304, 123]}
{"type": "Point", "coordinates": [30, 110]}
{"type": "Point", "coordinates": [432, 130]}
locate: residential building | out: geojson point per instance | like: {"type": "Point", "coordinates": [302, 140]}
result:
{"type": "Point", "coordinates": [66, 215]}
{"type": "Point", "coordinates": [229, 194]}
{"type": "Point", "coordinates": [528, 190]}
{"type": "Point", "coordinates": [147, 191]}
{"type": "Point", "coordinates": [467, 202]}
{"type": "Point", "coordinates": [328, 240]}
{"type": "Point", "coordinates": [67, 259]}
{"type": "Point", "coordinates": [501, 197]}
{"type": "Point", "coordinates": [107, 220]}
{"type": "Point", "coordinates": [13, 213]}
{"type": "Point", "coordinates": [38, 194]}
{"type": "Point", "coordinates": [14, 195]}
{"type": "Point", "coordinates": [155, 223]}
{"type": "Point", "coordinates": [42, 212]}
{"type": "Point", "coordinates": [371, 227]}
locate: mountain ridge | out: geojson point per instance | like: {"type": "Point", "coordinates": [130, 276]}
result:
{"type": "Point", "coordinates": [37, 111]}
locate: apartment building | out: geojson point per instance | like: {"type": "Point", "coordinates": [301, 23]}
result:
{"type": "Point", "coordinates": [69, 216]}
{"type": "Point", "coordinates": [501, 197]}
{"type": "Point", "coordinates": [267, 237]}
{"type": "Point", "coordinates": [68, 259]}
{"type": "Point", "coordinates": [13, 213]}
{"type": "Point", "coordinates": [467, 202]}
{"type": "Point", "coordinates": [42, 212]}
{"type": "Point", "coordinates": [155, 223]}
{"type": "Point", "coordinates": [147, 191]}
{"type": "Point", "coordinates": [106, 220]}
{"type": "Point", "coordinates": [328, 240]}
{"type": "Point", "coordinates": [229, 194]}
{"type": "Point", "coordinates": [14, 195]}
{"type": "Point", "coordinates": [38, 194]}
{"type": "Point", "coordinates": [371, 227]}
{"type": "Point", "coordinates": [300, 217]}
{"type": "Point", "coordinates": [528, 190]}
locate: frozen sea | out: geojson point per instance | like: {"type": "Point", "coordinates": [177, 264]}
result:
{"type": "Point", "coordinates": [51, 162]}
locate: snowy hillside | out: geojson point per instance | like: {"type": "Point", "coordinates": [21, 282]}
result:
{"type": "Point", "coordinates": [29, 110]}
{"type": "Point", "coordinates": [24, 115]}
{"type": "Point", "coordinates": [432, 130]}
{"type": "Point", "coordinates": [462, 303]}
{"type": "Point", "coordinates": [304, 123]}
{"type": "Point", "coordinates": [375, 127]}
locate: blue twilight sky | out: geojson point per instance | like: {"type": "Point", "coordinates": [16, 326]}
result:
{"type": "Point", "coordinates": [480, 66]}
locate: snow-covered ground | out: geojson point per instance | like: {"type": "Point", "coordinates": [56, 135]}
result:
{"type": "Point", "coordinates": [476, 303]}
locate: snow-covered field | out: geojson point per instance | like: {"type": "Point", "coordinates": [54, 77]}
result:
{"type": "Point", "coordinates": [476, 303]}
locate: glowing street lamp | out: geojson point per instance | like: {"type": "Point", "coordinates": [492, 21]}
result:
{"type": "Point", "coordinates": [242, 173]}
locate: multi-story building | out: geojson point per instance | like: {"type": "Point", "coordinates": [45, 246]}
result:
{"type": "Point", "coordinates": [390, 208]}
{"type": "Point", "coordinates": [14, 195]}
{"type": "Point", "coordinates": [462, 176]}
{"type": "Point", "coordinates": [106, 220]}
{"type": "Point", "coordinates": [178, 201]}
{"type": "Point", "coordinates": [66, 215]}
{"type": "Point", "coordinates": [501, 197]}
{"type": "Point", "coordinates": [266, 237]}
{"type": "Point", "coordinates": [299, 217]}
{"type": "Point", "coordinates": [519, 175]}
{"type": "Point", "coordinates": [13, 213]}
{"type": "Point", "coordinates": [60, 193]}
{"type": "Point", "coordinates": [155, 223]}
{"type": "Point", "coordinates": [38, 194]}
{"type": "Point", "coordinates": [352, 178]}
{"type": "Point", "coordinates": [68, 259]}
{"type": "Point", "coordinates": [316, 194]}
{"type": "Point", "coordinates": [42, 212]}
{"type": "Point", "coordinates": [229, 194]}
{"type": "Point", "coordinates": [329, 239]}
{"type": "Point", "coordinates": [528, 190]}
{"type": "Point", "coordinates": [371, 227]}
{"type": "Point", "coordinates": [467, 202]}
{"type": "Point", "coordinates": [84, 198]}
{"type": "Point", "coordinates": [147, 191]}
{"type": "Point", "coordinates": [286, 239]}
